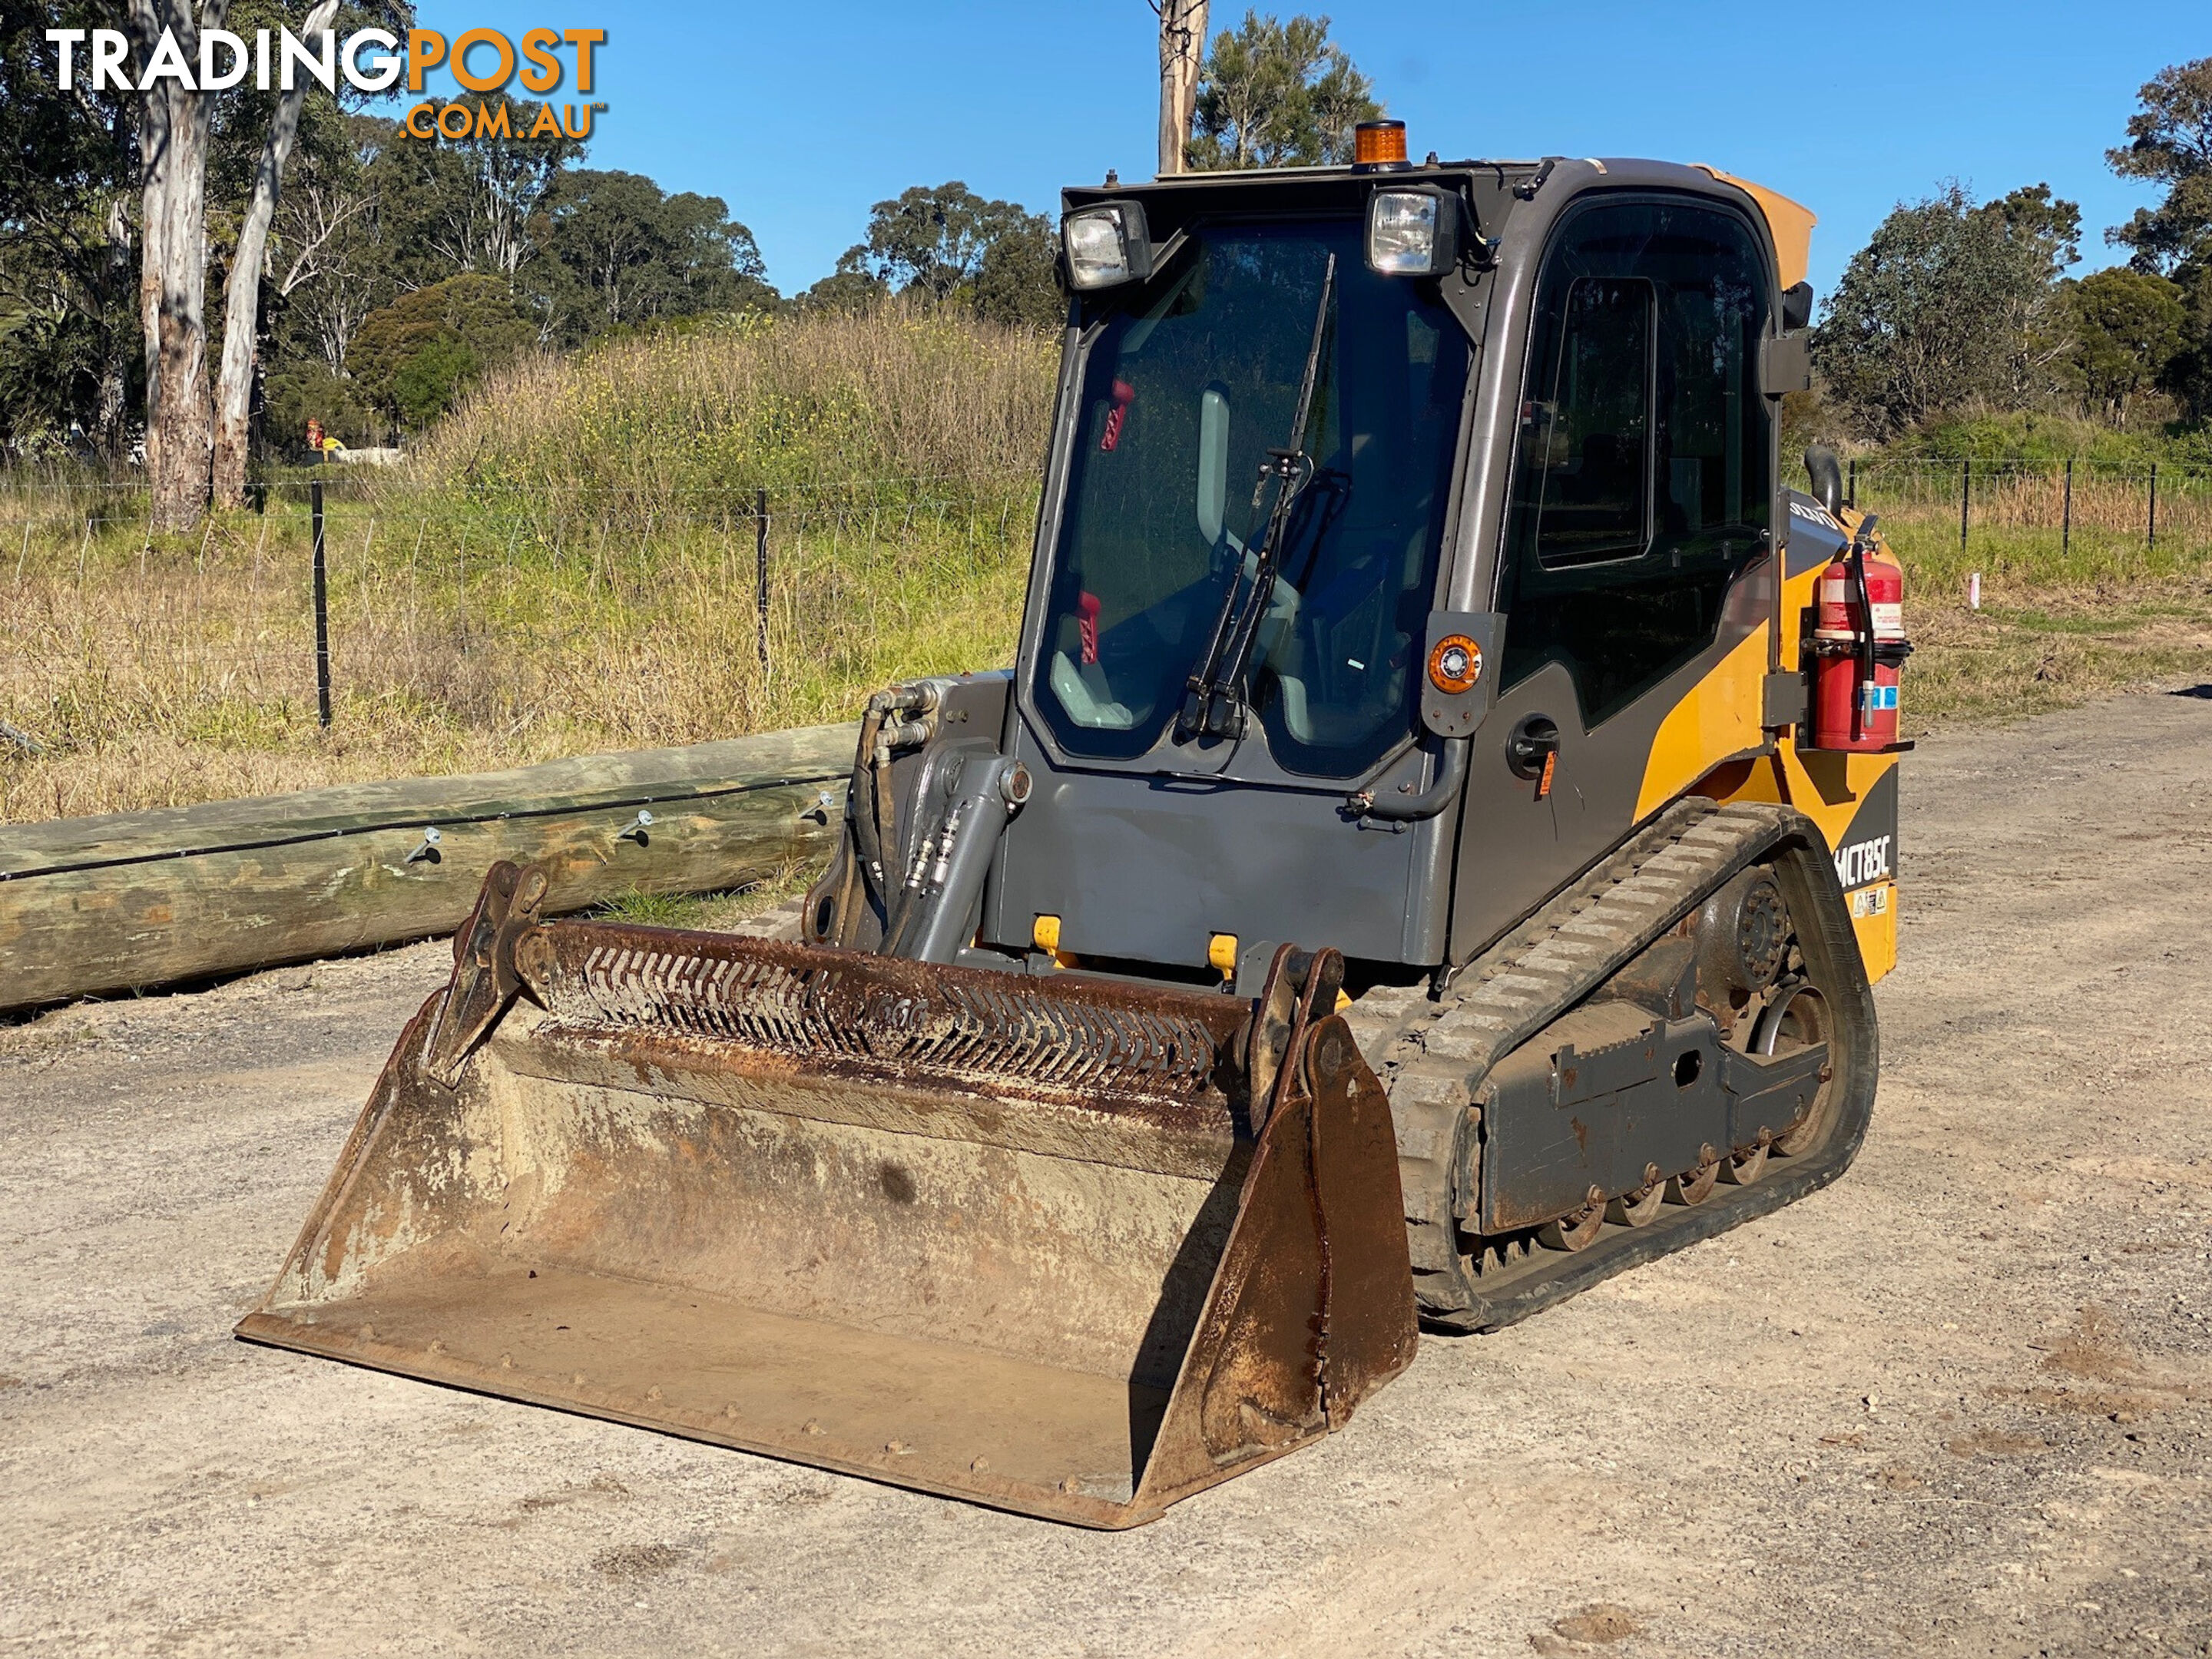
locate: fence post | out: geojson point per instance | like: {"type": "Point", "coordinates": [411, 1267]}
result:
{"type": "Point", "coordinates": [760, 552]}
{"type": "Point", "coordinates": [2153, 540]}
{"type": "Point", "coordinates": [1966, 495]}
{"type": "Point", "coordinates": [2066, 518]}
{"type": "Point", "coordinates": [322, 609]}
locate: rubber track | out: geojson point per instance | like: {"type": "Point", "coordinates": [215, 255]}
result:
{"type": "Point", "coordinates": [1433, 1055]}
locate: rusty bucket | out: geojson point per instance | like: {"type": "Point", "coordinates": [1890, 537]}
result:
{"type": "Point", "coordinates": [1058, 1245]}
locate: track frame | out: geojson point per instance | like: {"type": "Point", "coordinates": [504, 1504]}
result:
{"type": "Point", "coordinates": [1434, 1054]}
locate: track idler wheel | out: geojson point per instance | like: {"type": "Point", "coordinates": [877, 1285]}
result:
{"type": "Point", "coordinates": [1748, 1165]}
{"type": "Point", "coordinates": [1641, 1206]}
{"type": "Point", "coordinates": [1696, 1186]}
{"type": "Point", "coordinates": [1578, 1232]}
{"type": "Point", "coordinates": [1795, 1020]}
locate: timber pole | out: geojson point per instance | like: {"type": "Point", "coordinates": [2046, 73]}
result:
{"type": "Point", "coordinates": [1182, 49]}
{"type": "Point", "coordinates": [179, 893]}
{"type": "Point", "coordinates": [760, 573]}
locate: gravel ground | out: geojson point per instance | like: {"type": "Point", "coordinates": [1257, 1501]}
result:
{"type": "Point", "coordinates": [1956, 1403]}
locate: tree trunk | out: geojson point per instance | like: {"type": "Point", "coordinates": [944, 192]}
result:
{"type": "Point", "coordinates": [1182, 48]}
{"type": "Point", "coordinates": [173, 137]}
{"type": "Point", "coordinates": [241, 310]}
{"type": "Point", "coordinates": [108, 432]}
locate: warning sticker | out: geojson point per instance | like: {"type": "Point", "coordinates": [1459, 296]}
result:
{"type": "Point", "coordinates": [1872, 901]}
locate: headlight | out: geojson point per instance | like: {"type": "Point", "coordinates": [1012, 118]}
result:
{"type": "Point", "coordinates": [1107, 245]}
{"type": "Point", "coordinates": [1412, 231]}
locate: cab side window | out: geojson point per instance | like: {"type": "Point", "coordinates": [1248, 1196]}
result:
{"type": "Point", "coordinates": [1641, 475]}
{"type": "Point", "coordinates": [1587, 445]}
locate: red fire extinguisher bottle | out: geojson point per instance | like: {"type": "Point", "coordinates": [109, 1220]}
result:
{"type": "Point", "coordinates": [1858, 647]}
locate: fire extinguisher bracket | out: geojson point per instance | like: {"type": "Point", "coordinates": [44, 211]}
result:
{"type": "Point", "coordinates": [1904, 746]}
{"type": "Point", "coordinates": [1787, 701]}
{"type": "Point", "coordinates": [1857, 649]}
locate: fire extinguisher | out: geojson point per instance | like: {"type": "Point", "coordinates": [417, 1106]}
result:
{"type": "Point", "coordinates": [1858, 647]}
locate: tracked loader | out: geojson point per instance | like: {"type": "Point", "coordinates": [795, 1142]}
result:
{"type": "Point", "coordinates": [1406, 877]}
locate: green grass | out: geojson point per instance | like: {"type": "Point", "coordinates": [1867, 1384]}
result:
{"type": "Point", "coordinates": [2058, 626]}
{"type": "Point", "coordinates": [707, 911]}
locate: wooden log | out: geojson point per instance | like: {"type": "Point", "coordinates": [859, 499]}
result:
{"type": "Point", "coordinates": [135, 900]}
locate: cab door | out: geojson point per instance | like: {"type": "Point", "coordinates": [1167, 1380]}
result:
{"type": "Point", "coordinates": [1635, 555]}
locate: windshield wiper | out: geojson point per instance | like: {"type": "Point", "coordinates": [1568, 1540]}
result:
{"type": "Point", "coordinates": [1214, 703]}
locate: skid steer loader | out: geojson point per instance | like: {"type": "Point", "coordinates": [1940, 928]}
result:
{"type": "Point", "coordinates": [1400, 881]}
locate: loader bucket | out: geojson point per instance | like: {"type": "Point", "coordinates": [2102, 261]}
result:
{"type": "Point", "coordinates": [1056, 1245]}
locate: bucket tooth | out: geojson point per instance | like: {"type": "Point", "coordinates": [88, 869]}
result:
{"type": "Point", "coordinates": [1030, 1243]}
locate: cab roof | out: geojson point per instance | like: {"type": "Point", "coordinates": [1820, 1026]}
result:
{"type": "Point", "coordinates": [1494, 183]}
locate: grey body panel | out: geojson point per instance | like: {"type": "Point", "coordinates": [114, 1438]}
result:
{"type": "Point", "coordinates": [1588, 1103]}
{"type": "Point", "coordinates": [1867, 854]}
{"type": "Point", "coordinates": [1148, 868]}
{"type": "Point", "coordinates": [1813, 537]}
{"type": "Point", "coordinates": [1610, 1092]}
{"type": "Point", "coordinates": [1457, 714]}
{"type": "Point", "coordinates": [1516, 850]}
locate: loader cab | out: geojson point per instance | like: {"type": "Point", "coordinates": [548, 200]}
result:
{"type": "Point", "coordinates": [1561, 441]}
{"type": "Point", "coordinates": [1635, 494]}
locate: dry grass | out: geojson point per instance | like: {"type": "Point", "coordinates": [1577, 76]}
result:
{"type": "Point", "coordinates": [2062, 619]}
{"type": "Point", "coordinates": [871, 410]}
{"type": "Point", "coordinates": [567, 566]}
{"type": "Point", "coordinates": [2110, 506]}
{"type": "Point", "coordinates": [2032, 650]}
{"type": "Point", "coordinates": [714, 912]}
{"type": "Point", "coordinates": [160, 676]}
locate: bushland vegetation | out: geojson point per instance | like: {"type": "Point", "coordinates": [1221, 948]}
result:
{"type": "Point", "coordinates": [567, 565]}
{"type": "Point", "coordinates": [598, 388]}
{"type": "Point", "coordinates": [313, 262]}
{"type": "Point", "coordinates": [1965, 313]}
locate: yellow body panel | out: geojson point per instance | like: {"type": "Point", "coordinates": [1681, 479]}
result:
{"type": "Point", "coordinates": [1719, 717]}
{"type": "Point", "coordinates": [1828, 788]}
{"type": "Point", "coordinates": [1706, 744]}
{"type": "Point", "coordinates": [1789, 222]}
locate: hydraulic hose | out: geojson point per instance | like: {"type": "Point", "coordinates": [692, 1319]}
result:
{"type": "Point", "coordinates": [989, 792]}
{"type": "Point", "coordinates": [1431, 801]}
{"type": "Point", "coordinates": [872, 803]}
{"type": "Point", "coordinates": [861, 808]}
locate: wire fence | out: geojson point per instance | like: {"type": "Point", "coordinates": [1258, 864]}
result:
{"type": "Point", "coordinates": [343, 586]}
{"type": "Point", "coordinates": [432, 626]}
{"type": "Point", "coordinates": [442, 627]}
{"type": "Point", "coordinates": [2090, 504]}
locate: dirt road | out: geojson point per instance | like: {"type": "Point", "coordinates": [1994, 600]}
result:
{"type": "Point", "coordinates": [1957, 1403]}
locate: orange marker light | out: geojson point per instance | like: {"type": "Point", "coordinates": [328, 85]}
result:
{"type": "Point", "coordinates": [1378, 144]}
{"type": "Point", "coordinates": [1221, 951]}
{"type": "Point", "coordinates": [1455, 665]}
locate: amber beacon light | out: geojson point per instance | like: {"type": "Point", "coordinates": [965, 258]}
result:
{"type": "Point", "coordinates": [1455, 665]}
{"type": "Point", "coordinates": [1378, 146]}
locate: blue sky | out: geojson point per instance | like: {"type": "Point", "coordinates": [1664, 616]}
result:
{"type": "Point", "coordinates": [800, 117]}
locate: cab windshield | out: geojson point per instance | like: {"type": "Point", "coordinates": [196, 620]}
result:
{"type": "Point", "coordinates": [1190, 379]}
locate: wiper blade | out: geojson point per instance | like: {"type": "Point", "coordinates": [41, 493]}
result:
{"type": "Point", "coordinates": [1214, 703]}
